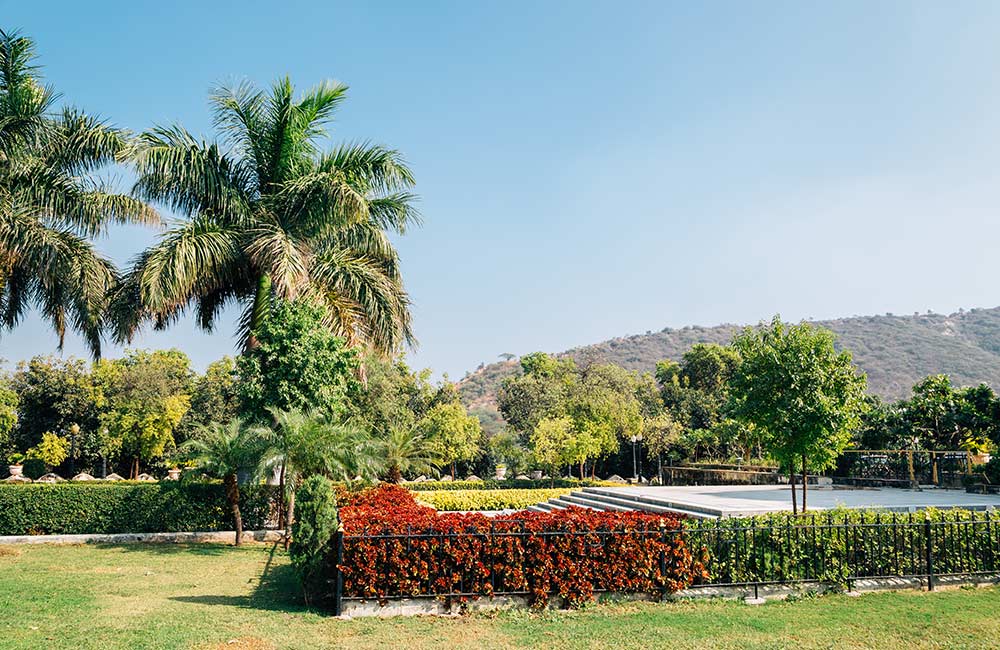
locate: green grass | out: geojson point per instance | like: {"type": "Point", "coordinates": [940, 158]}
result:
{"type": "Point", "coordinates": [205, 596]}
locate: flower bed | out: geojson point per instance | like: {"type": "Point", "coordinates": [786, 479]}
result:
{"type": "Point", "coordinates": [508, 484]}
{"type": "Point", "coordinates": [488, 499]}
{"type": "Point", "coordinates": [394, 547]}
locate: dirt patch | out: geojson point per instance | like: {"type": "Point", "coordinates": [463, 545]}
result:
{"type": "Point", "coordinates": [242, 643]}
{"type": "Point", "coordinates": [9, 551]}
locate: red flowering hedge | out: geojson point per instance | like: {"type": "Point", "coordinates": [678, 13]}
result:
{"type": "Point", "coordinates": [394, 547]}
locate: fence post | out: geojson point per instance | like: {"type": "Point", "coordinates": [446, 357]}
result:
{"type": "Point", "coordinates": [929, 553]}
{"type": "Point", "coordinates": [338, 587]}
{"type": "Point", "coordinates": [663, 561]}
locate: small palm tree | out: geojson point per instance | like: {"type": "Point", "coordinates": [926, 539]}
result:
{"type": "Point", "coordinates": [228, 451]}
{"type": "Point", "coordinates": [306, 442]}
{"type": "Point", "coordinates": [51, 202]}
{"type": "Point", "coordinates": [270, 216]}
{"type": "Point", "coordinates": [408, 451]}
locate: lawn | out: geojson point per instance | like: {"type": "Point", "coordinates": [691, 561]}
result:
{"type": "Point", "coordinates": [211, 596]}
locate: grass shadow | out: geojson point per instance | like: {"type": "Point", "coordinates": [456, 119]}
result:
{"type": "Point", "coordinates": [170, 548]}
{"type": "Point", "coordinates": [277, 589]}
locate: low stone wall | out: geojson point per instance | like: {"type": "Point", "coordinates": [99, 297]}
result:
{"type": "Point", "coordinates": [220, 537]}
{"type": "Point", "coordinates": [712, 476]}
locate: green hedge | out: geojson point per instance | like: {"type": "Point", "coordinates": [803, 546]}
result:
{"type": "Point", "coordinates": [488, 499]}
{"type": "Point", "coordinates": [510, 484]}
{"type": "Point", "coordinates": [106, 508]}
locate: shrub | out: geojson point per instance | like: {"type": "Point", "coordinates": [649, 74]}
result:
{"type": "Point", "coordinates": [510, 484]}
{"type": "Point", "coordinates": [488, 499]}
{"type": "Point", "coordinates": [315, 524]}
{"type": "Point", "coordinates": [106, 508]}
{"type": "Point", "coordinates": [569, 553]}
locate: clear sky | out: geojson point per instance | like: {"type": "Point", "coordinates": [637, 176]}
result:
{"type": "Point", "coordinates": [595, 169]}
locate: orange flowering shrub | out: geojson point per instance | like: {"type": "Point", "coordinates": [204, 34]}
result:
{"type": "Point", "coordinates": [394, 548]}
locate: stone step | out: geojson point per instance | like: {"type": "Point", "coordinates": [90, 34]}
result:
{"type": "Point", "coordinates": [648, 503]}
{"type": "Point", "coordinates": [583, 501]}
{"type": "Point", "coordinates": [628, 503]}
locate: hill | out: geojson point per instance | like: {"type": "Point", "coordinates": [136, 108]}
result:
{"type": "Point", "coordinates": [895, 352]}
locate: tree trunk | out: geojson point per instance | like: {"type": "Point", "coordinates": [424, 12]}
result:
{"type": "Point", "coordinates": [581, 470]}
{"type": "Point", "coordinates": [593, 470]}
{"type": "Point", "coordinates": [134, 470]}
{"type": "Point", "coordinates": [260, 309]}
{"type": "Point", "coordinates": [395, 476]}
{"type": "Point", "coordinates": [805, 483]}
{"type": "Point", "coordinates": [281, 497]}
{"type": "Point", "coordinates": [453, 470]}
{"type": "Point", "coordinates": [233, 496]}
{"type": "Point", "coordinates": [791, 481]}
{"type": "Point", "coordinates": [289, 518]}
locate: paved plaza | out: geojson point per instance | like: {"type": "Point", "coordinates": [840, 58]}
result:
{"type": "Point", "coordinates": [732, 501]}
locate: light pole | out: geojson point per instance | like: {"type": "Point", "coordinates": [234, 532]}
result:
{"type": "Point", "coordinates": [635, 459]}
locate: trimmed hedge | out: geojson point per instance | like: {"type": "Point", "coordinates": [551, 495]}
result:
{"type": "Point", "coordinates": [488, 499]}
{"type": "Point", "coordinates": [510, 484]}
{"type": "Point", "coordinates": [394, 547]}
{"type": "Point", "coordinates": [108, 508]}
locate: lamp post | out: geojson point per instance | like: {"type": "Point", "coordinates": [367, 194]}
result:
{"type": "Point", "coordinates": [74, 431]}
{"type": "Point", "coordinates": [635, 458]}
{"type": "Point", "coordinates": [104, 454]}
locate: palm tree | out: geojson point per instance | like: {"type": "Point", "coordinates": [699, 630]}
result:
{"type": "Point", "coordinates": [409, 451]}
{"type": "Point", "coordinates": [228, 451]}
{"type": "Point", "coordinates": [308, 442]}
{"type": "Point", "coordinates": [52, 202]}
{"type": "Point", "coordinates": [271, 216]}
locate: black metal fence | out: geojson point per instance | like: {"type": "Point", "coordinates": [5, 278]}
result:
{"type": "Point", "coordinates": [903, 468]}
{"type": "Point", "coordinates": [841, 549]}
{"type": "Point", "coordinates": [836, 549]}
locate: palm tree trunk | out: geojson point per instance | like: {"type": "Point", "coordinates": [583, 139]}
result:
{"type": "Point", "coordinates": [395, 476]}
{"type": "Point", "coordinates": [289, 516]}
{"type": "Point", "coordinates": [281, 497]}
{"type": "Point", "coordinates": [233, 496]}
{"type": "Point", "coordinates": [260, 310]}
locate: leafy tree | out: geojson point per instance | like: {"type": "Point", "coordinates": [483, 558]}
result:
{"type": "Point", "coordinates": [550, 442]}
{"type": "Point", "coordinates": [228, 451]}
{"type": "Point", "coordinates": [142, 399]}
{"type": "Point", "coordinates": [213, 397]}
{"type": "Point", "coordinates": [8, 418]}
{"type": "Point", "coordinates": [454, 435]}
{"type": "Point", "coordinates": [52, 450]}
{"type": "Point", "coordinates": [52, 202]}
{"type": "Point", "coordinates": [271, 217]}
{"type": "Point", "coordinates": [297, 364]}
{"type": "Point", "coordinates": [660, 434]}
{"type": "Point", "coordinates": [540, 392]}
{"type": "Point", "coordinates": [505, 448]}
{"type": "Point", "coordinates": [796, 388]}
{"type": "Point", "coordinates": [393, 397]}
{"type": "Point", "coordinates": [52, 395]}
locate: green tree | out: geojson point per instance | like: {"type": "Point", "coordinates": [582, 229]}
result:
{"type": "Point", "coordinates": [53, 394]}
{"type": "Point", "coordinates": [51, 450]}
{"type": "Point", "coordinates": [213, 398]}
{"type": "Point", "coordinates": [297, 364]}
{"type": "Point", "coordinates": [142, 399]}
{"type": "Point", "coordinates": [8, 418]}
{"type": "Point", "coordinates": [661, 433]}
{"type": "Point", "coordinates": [453, 434]}
{"type": "Point", "coordinates": [53, 201]}
{"type": "Point", "coordinates": [551, 441]}
{"type": "Point", "coordinates": [272, 217]}
{"type": "Point", "coordinates": [540, 392]}
{"type": "Point", "coordinates": [227, 451]}
{"type": "Point", "coordinates": [804, 395]}
{"type": "Point", "coordinates": [312, 532]}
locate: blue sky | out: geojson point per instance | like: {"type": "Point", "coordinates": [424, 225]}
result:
{"type": "Point", "coordinates": [595, 169]}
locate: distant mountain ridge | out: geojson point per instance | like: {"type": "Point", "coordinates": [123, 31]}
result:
{"type": "Point", "coordinates": [895, 351]}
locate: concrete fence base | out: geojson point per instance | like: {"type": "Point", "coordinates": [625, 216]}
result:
{"type": "Point", "coordinates": [218, 537]}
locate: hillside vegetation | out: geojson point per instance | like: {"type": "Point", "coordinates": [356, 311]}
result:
{"type": "Point", "coordinates": [895, 352]}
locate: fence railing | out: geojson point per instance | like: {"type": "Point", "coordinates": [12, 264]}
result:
{"type": "Point", "coordinates": [904, 467]}
{"type": "Point", "coordinates": [835, 549]}
{"type": "Point", "coordinates": [832, 549]}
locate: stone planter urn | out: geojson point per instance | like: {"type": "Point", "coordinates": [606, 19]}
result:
{"type": "Point", "coordinates": [15, 470]}
{"type": "Point", "coordinates": [535, 475]}
{"type": "Point", "coordinates": [501, 472]}
{"type": "Point", "coordinates": [173, 474]}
